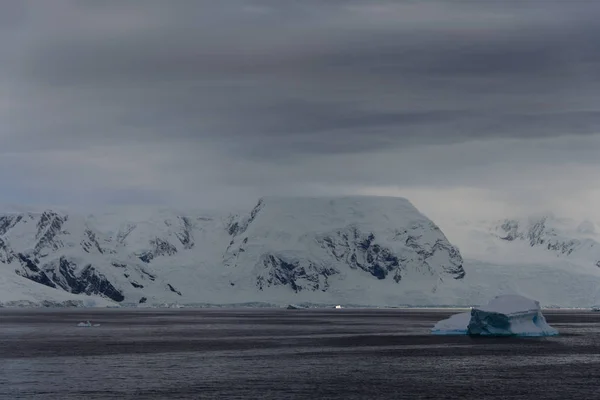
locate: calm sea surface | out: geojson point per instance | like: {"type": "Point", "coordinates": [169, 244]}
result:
{"type": "Point", "coordinates": [287, 354]}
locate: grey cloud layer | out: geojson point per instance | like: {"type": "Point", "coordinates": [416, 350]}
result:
{"type": "Point", "coordinates": [371, 74]}
{"type": "Point", "coordinates": [239, 86]}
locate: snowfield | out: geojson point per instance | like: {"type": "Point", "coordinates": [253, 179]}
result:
{"type": "Point", "coordinates": [371, 251]}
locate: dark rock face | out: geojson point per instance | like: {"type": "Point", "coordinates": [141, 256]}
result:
{"type": "Point", "coordinates": [124, 232]}
{"type": "Point", "coordinates": [298, 274]}
{"type": "Point", "coordinates": [172, 289]}
{"type": "Point", "coordinates": [48, 228]}
{"type": "Point", "coordinates": [511, 229]}
{"type": "Point", "coordinates": [146, 257]}
{"type": "Point", "coordinates": [453, 267]}
{"type": "Point", "coordinates": [6, 253]}
{"type": "Point", "coordinates": [359, 250]}
{"type": "Point", "coordinates": [98, 284]}
{"type": "Point", "coordinates": [160, 248]}
{"type": "Point", "coordinates": [538, 233]}
{"type": "Point", "coordinates": [31, 271]}
{"type": "Point", "coordinates": [233, 228]}
{"type": "Point", "coordinates": [7, 222]}
{"type": "Point", "coordinates": [143, 300]}
{"type": "Point", "coordinates": [186, 235]}
{"type": "Point", "coordinates": [90, 242]}
{"type": "Point", "coordinates": [147, 274]}
{"type": "Point", "coordinates": [535, 234]}
{"type": "Point", "coordinates": [237, 228]}
{"type": "Point", "coordinates": [163, 248]}
{"type": "Point", "coordinates": [88, 281]}
{"type": "Point", "coordinates": [64, 274]}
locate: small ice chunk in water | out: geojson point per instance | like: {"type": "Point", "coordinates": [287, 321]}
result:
{"type": "Point", "coordinates": [507, 315]}
{"type": "Point", "coordinates": [86, 324]}
{"type": "Point", "coordinates": [455, 325]}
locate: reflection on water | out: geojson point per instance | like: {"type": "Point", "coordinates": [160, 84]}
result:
{"type": "Point", "coordinates": [278, 354]}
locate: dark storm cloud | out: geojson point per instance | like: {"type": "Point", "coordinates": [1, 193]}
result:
{"type": "Point", "coordinates": [293, 78]}
{"type": "Point", "coordinates": [137, 101]}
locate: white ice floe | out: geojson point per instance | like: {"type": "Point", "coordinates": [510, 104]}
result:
{"type": "Point", "coordinates": [507, 315]}
{"type": "Point", "coordinates": [87, 324]}
{"type": "Point", "coordinates": [455, 325]}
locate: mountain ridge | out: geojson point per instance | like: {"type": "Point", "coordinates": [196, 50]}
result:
{"type": "Point", "coordinates": [302, 244]}
{"type": "Point", "coordinates": [377, 251]}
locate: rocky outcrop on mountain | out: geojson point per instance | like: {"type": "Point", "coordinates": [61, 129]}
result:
{"type": "Point", "coordinates": [6, 253]}
{"type": "Point", "coordinates": [49, 227]}
{"type": "Point", "coordinates": [185, 231]}
{"type": "Point", "coordinates": [358, 250]}
{"type": "Point", "coordinates": [70, 277]}
{"type": "Point", "coordinates": [361, 250]}
{"type": "Point", "coordinates": [9, 221]}
{"type": "Point", "coordinates": [159, 247]}
{"type": "Point", "coordinates": [297, 273]}
{"type": "Point", "coordinates": [552, 234]}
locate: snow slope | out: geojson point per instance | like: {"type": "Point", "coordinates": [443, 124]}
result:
{"type": "Point", "coordinates": [544, 257]}
{"type": "Point", "coordinates": [535, 239]}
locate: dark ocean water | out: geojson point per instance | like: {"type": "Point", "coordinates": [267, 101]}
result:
{"type": "Point", "coordinates": [287, 354]}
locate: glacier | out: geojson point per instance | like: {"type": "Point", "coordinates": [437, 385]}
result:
{"type": "Point", "coordinates": [505, 315]}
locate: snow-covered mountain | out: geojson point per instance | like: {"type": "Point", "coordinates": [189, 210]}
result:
{"type": "Point", "coordinates": [562, 237]}
{"type": "Point", "coordinates": [339, 250]}
{"type": "Point", "coordinates": [540, 238]}
{"type": "Point", "coordinates": [362, 250]}
{"type": "Point", "coordinates": [551, 259]}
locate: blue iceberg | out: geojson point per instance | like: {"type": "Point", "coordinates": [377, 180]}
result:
{"type": "Point", "coordinates": [506, 315]}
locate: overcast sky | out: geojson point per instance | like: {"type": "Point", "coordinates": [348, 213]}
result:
{"type": "Point", "coordinates": [474, 108]}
